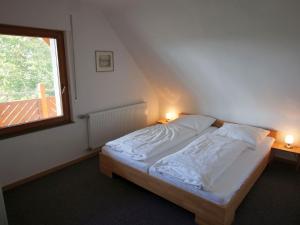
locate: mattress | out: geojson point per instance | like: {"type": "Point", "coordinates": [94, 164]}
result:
{"type": "Point", "coordinates": [230, 181]}
{"type": "Point", "coordinates": [144, 165]}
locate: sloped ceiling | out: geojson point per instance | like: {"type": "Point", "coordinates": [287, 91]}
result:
{"type": "Point", "coordinates": [237, 60]}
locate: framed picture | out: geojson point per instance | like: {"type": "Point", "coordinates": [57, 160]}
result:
{"type": "Point", "coordinates": [104, 61]}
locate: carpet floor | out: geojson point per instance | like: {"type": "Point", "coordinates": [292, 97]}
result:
{"type": "Point", "coordinates": [79, 195]}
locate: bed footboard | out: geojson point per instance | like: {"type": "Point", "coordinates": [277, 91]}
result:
{"type": "Point", "coordinates": [206, 212]}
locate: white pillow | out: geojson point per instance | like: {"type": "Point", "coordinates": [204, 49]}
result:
{"type": "Point", "coordinates": [249, 134]}
{"type": "Point", "coordinates": [196, 122]}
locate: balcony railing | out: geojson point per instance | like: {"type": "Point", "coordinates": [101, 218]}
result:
{"type": "Point", "coordinates": [24, 111]}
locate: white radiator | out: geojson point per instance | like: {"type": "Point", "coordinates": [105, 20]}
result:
{"type": "Point", "coordinates": [107, 125]}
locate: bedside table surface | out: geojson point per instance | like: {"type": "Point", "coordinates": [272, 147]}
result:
{"type": "Point", "coordinates": [162, 121]}
{"type": "Point", "coordinates": [281, 146]}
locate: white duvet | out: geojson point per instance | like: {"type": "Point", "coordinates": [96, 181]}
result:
{"type": "Point", "coordinates": [203, 161]}
{"type": "Point", "coordinates": [150, 141]}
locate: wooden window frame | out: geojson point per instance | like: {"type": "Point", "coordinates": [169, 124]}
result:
{"type": "Point", "coordinates": [62, 66]}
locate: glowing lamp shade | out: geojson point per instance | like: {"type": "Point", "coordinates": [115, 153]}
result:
{"type": "Point", "coordinates": [289, 140]}
{"type": "Point", "coordinates": [171, 115]}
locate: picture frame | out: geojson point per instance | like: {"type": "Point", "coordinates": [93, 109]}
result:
{"type": "Point", "coordinates": [104, 61]}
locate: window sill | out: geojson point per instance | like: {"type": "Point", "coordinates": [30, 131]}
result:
{"type": "Point", "coordinates": [15, 131]}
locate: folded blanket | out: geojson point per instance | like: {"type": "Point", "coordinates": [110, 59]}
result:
{"type": "Point", "coordinates": [150, 141]}
{"type": "Point", "coordinates": [203, 161]}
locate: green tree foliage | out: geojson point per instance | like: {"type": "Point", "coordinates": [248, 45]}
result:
{"type": "Point", "coordinates": [24, 62]}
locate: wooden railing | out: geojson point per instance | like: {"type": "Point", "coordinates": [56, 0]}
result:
{"type": "Point", "coordinates": [24, 111]}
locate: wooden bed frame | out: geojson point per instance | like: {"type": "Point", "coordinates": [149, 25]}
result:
{"type": "Point", "coordinates": [206, 212]}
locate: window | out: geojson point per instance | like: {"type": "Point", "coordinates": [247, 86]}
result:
{"type": "Point", "coordinates": [33, 80]}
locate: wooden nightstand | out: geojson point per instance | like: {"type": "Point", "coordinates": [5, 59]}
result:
{"type": "Point", "coordinates": [295, 150]}
{"type": "Point", "coordinates": [162, 121]}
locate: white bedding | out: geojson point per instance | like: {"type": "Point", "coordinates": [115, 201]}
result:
{"type": "Point", "coordinates": [202, 161]}
{"type": "Point", "coordinates": [150, 141]}
{"type": "Point", "coordinates": [230, 181]}
{"type": "Point", "coordinates": [143, 165]}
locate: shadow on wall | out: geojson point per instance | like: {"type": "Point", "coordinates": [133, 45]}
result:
{"type": "Point", "coordinates": [235, 60]}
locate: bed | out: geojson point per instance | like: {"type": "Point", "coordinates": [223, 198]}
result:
{"type": "Point", "coordinates": [144, 165]}
{"type": "Point", "coordinates": [209, 209]}
{"type": "Point", "coordinates": [230, 181]}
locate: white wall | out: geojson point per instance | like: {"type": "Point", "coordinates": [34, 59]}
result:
{"type": "Point", "coordinates": [235, 60]}
{"type": "Point", "coordinates": [29, 154]}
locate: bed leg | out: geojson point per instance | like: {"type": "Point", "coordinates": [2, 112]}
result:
{"type": "Point", "coordinates": [105, 165]}
{"type": "Point", "coordinates": [200, 221]}
{"type": "Point", "coordinates": [229, 218]}
{"type": "Point", "coordinates": [203, 220]}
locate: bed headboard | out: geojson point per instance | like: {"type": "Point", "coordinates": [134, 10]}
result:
{"type": "Point", "coordinates": [219, 123]}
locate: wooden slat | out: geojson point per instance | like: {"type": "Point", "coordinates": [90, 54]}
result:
{"type": "Point", "coordinates": [13, 116]}
{"type": "Point", "coordinates": [19, 115]}
{"type": "Point", "coordinates": [24, 111]}
{"type": "Point", "coordinates": [43, 102]}
{"type": "Point", "coordinates": [51, 106]}
{"type": "Point", "coordinates": [9, 110]}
